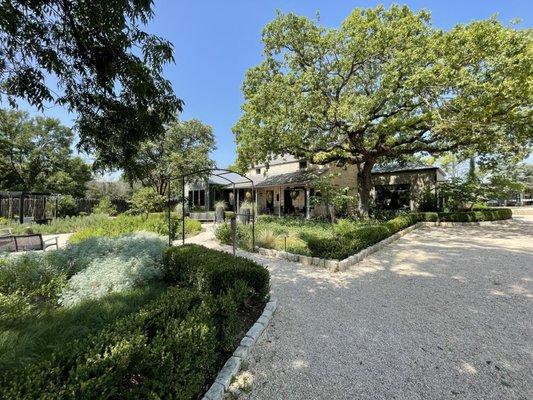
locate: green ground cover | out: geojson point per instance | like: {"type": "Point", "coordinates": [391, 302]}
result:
{"type": "Point", "coordinates": [97, 225]}
{"type": "Point", "coordinates": [343, 238]}
{"type": "Point", "coordinates": [103, 318]}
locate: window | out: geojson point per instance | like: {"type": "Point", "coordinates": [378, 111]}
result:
{"type": "Point", "coordinates": [393, 197]}
{"type": "Point", "coordinates": [258, 171]}
{"type": "Point", "coordinates": [303, 164]}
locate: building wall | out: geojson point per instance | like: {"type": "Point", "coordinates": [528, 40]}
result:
{"type": "Point", "coordinates": [419, 181]}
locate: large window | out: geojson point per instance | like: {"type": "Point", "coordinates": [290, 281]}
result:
{"type": "Point", "coordinates": [197, 198]}
{"type": "Point", "coordinates": [393, 197]}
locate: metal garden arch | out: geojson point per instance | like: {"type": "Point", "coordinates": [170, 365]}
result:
{"type": "Point", "coordinates": [221, 173]}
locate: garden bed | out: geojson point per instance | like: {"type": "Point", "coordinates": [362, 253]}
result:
{"type": "Point", "coordinates": [115, 317]}
{"type": "Point", "coordinates": [98, 225]}
{"type": "Point", "coordinates": [325, 241]}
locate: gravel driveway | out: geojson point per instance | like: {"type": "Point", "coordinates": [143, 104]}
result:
{"type": "Point", "coordinates": [444, 313]}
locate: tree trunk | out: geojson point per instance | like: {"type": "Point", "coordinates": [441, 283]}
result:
{"type": "Point", "coordinates": [364, 186]}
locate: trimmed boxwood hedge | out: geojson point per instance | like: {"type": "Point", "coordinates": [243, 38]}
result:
{"type": "Point", "coordinates": [486, 214]}
{"type": "Point", "coordinates": [214, 272]}
{"type": "Point", "coordinates": [342, 246]}
{"type": "Point", "coordinates": [171, 348]}
{"type": "Point", "coordinates": [167, 350]}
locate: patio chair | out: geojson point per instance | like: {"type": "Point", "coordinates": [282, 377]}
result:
{"type": "Point", "coordinates": [7, 244]}
{"type": "Point", "coordinates": [34, 242]}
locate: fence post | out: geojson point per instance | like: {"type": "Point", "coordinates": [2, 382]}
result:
{"type": "Point", "coordinates": [233, 225]}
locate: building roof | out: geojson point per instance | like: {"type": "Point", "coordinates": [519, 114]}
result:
{"type": "Point", "coordinates": [392, 169]}
{"type": "Point", "coordinates": [279, 160]}
{"type": "Point", "coordinates": [291, 178]}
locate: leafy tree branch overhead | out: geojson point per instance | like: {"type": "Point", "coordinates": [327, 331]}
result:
{"type": "Point", "coordinates": [386, 84]}
{"type": "Point", "coordinates": [108, 70]}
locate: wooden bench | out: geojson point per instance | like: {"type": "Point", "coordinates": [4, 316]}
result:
{"type": "Point", "coordinates": [12, 243]}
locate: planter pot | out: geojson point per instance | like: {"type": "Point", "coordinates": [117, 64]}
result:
{"type": "Point", "coordinates": [219, 215]}
{"type": "Point", "coordinates": [202, 216]}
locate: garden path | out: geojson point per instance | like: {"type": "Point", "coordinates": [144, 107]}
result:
{"type": "Point", "coordinates": [442, 313]}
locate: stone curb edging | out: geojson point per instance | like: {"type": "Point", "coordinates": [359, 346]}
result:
{"type": "Point", "coordinates": [343, 265]}
{"type": "Point", "coordinates": [336, 265]}
{"type": "Point", "coordinates": [233, 364]}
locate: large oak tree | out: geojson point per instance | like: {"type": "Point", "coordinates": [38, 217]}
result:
{"type": "Point", "coordinates": [94, 58]}
{"type": "Point", "coordinates": [385, 85]}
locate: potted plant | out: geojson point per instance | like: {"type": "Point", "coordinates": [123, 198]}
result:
{"type": "Point", "coordinates": [220, 207]}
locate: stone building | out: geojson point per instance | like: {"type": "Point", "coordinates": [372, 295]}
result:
{"type": "Point", "coordinates": [285, 187]}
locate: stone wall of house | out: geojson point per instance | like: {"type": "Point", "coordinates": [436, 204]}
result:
{"type": "Point", "coordinates": [419, 181]}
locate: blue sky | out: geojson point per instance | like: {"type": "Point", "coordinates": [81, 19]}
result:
{"type": "Point", "coordinates": [217, 41]}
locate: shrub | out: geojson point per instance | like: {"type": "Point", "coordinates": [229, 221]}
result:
{"type": "Point", "coordinates": [105, 206]}
{"type": "Point", "coordinates": [90, 269]}
{"type": "Point", "coordinates": [266, 238]}
{"type": "Point", "coordinates": [214, 272]}
{"type": "Point", "coordinates": [486, 214]}
{"type": "Point", "coordinates": [126, 262]}
{"type": "Point", "coordinates": [243, 235]}
{"type": "Point", "coordinates": [146, 200]}
{"type": "Point", "coordinates": [155, 222]}
{"type": "Point", "coordinates": [173, 333]}
{"type": "Point", "coordinates": [66, 206]}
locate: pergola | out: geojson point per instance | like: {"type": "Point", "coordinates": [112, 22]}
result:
{"type": "Point", "coordinates": [225, 175]}
{"type": "Point", "coordinates": [31, 198]}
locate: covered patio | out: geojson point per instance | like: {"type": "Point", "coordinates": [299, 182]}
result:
{"type": "Point", "coordinates": [281, 195]}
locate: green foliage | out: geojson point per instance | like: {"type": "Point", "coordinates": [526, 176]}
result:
{"type": "Point", "coordinates": [106, 70]}
{"type": "Point", "coordinates": [60, 225]}
{"type": "Point", "coordinates": [336, 198]}
{"type": "Point", "coordinates": [344, 238]}
{"type": "Point", "coordinates": [184, 147]}
{"type": "Point", "coordinates": [66, 206]}
{"type": "Point", "coordinates": [24, 326]}
{"type": "Point", "coordinates": [214, 272]}
{"type": "Point", "coordinates": [384, 85]}
{"type": "Point", "coordinates": [105, 206]}
{"type": "Point", "coordinates": [146, 200]}
{"type": "Point", "coordinates": [174, 333]}
{"type": "Point", "coordinates": [485, 214]}
{"type": "Point", "coordinates": [347, 242]}
{"type": "Point", "coordinates": [87, 270]}
{"type": "Point", "coordinates": [117, 345]}
{"type": "Point", "coordinates": [36, 154]}
{"type": "Point", "coordinates": [154, 222]}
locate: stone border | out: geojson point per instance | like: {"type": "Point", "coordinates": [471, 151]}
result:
{"type": "Point", "coordinates": [233, 364]}
{"type": "Point", "coordinates": [343, 265]}
{"type": "Point", "coordinates": [336, 265]}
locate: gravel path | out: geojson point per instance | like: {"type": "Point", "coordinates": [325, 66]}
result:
{"type": "Point", "coordinates": [444, 313]}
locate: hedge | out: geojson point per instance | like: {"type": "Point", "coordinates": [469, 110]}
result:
{"type": "Point", "coordinates": [486, 214]}
{"type": "Point", "coordinates": [343, 246]}
{"type": "Point", "coordinates": [169, 348]}
{"type": "Point", "coordinates": [214, 272]}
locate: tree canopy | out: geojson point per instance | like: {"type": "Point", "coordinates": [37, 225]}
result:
{"type": "Point", "coordinates": [184, 148]}
{"type": "Point", "coordinates": [107, 70]}
{"type": "Point", "coordinates": [385, 85]}
{"type": "Point", "coordinates": [36, 154]}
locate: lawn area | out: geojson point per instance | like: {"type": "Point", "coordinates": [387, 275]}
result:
{"type": "Point", "coordinates": [97, 225]}
{"type": "Point", "coordinates": [102, 318]}
{"type": "Point", "coordinates": [318, 238]}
